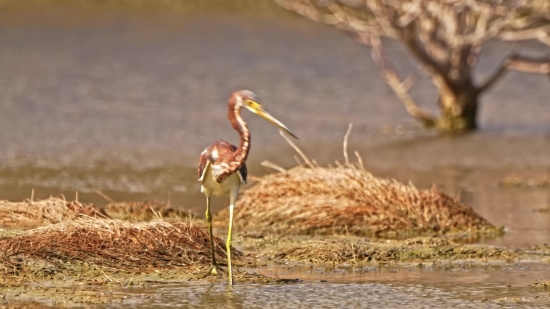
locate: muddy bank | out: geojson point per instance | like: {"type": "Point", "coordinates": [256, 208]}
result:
{"type": "Point", "coordinates": [61, 279]}
{"type": "Point", "coordinates": [105, 251]}
{"type": "Point", "coordinates": [73, 261]}
{"type": "Point", "coordinates": [51, 275]}
{"type": "Point", "coordinates": [358, 252]}
{"type": "Point", "coordinates": [105, 244]}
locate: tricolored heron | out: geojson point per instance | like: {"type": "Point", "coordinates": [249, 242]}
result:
{"type": "Point", "coordinates": [222, 167]}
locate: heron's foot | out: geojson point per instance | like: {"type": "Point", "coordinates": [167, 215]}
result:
{"type": "Point", "coordinates": [215, 270]}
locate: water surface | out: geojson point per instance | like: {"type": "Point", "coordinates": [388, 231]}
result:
{"type": "Point", "coordinates": [459, 287]}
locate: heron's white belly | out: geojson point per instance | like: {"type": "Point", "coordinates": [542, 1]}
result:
{"type": "Point", "coordinates": [210, 185]}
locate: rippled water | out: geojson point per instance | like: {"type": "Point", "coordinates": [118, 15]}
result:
{"type": "Point", "coordinates": [481, 287]}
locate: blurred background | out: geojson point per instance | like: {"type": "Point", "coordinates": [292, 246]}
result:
{"type": "Point", "coordinates": [121, 97]}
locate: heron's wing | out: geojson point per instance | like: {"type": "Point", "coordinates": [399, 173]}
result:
{"type": "Point", "coordinates": [204, 162]}
{"type": "Point", "coordinates": [218, 156]}
{"type": "Point", "coordinates": [243, 173]}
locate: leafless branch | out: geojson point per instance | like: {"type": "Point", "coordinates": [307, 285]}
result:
{"type": "Point", "coordinates": [530, 65]}
{"type": "Point", "coordinates": [439, 25]}
{"type": "Point", "coordinates": [432, 66]}
{"type": "Point", "coordinates": [517, 63]}
{"type": "Point", "coordinates": [499, 73]}
{"type": "Point", "coordinates": [540, 33]}
{"type": "Point", "coordinates": [400, 88]}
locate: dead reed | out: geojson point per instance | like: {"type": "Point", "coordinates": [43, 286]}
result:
{"type": "Point", "coordinates": [360, 251]}
{"type": "Point", "coordinates": [310, 199]}
{"type": "Point", "coordinates": [145, 211]}
{"type": "Point", "coordinates": [122, 245]}
{"type": "Point", "coordinates": [30, 213]}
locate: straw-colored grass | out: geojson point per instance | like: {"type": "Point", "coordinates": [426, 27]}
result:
{"type": "Point", "coordinates": [129, 246]}
{"type": "Point", "coordinates": [347, 199]}
{"type": "Point", "coordinates": [511, 181]}
{"type": "Point", "coordinates": [361, 251]}
{"type": "Point", "coordinates": [31, 213]}
{"type": "Point", "coordinates": [145, 211]}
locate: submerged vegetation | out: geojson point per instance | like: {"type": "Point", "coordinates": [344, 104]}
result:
{"type": "Point", "coordinates": [512, 181]}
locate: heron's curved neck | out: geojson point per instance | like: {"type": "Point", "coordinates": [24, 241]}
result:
{"type": "Point", "coordinates": [240, 155]}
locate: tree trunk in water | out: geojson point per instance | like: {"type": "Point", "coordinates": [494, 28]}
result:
{"type": "Point", "coordinates": [458, 109]}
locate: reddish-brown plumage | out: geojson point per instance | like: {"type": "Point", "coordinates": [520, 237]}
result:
{"type": "Point", "coordinates": [228, 157]}
{"type": "Point", "coordinates": [226, 153]}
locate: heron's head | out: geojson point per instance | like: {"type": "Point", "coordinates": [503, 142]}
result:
{"type": "Point", "coordinates": [248, 99]}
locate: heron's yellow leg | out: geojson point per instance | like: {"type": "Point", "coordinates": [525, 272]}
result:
{"type": "Point", "coordinates": [214, 269]}
{"type": "Point", "coordinates": [232, 199]}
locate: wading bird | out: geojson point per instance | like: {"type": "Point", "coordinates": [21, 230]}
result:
{"type": "Point", "coordinates": [222, 167]}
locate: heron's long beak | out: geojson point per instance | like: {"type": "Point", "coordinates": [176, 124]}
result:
{"type": "Point", "coordinates": [257, 108]}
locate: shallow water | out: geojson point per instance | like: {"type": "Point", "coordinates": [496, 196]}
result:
{"type": "Point", "coordinates": [124, 103]}
{"type": "Point", "coordinates": [462, 287]}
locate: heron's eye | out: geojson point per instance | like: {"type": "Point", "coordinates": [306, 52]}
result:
{"type": "Point", "coordinates": [253, 104]}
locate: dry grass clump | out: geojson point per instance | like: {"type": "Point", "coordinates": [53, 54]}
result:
{"type": "Point", "coordinates": [512, 181]}
{"type": "Point", "coordinates": [324, 200]}
{"type": "Point", "coordinates": [122, 245]}
{"type": "Point", "coordinates": [30, 213]}
{"type": "Point", "coordinates": [361, 251]}
{"type": "Point", "coordinates": [145, 211]}
{"type": "Point", "coordinates": [545, 284]}
{"type": "Point", "coordinates": [348, 199]}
